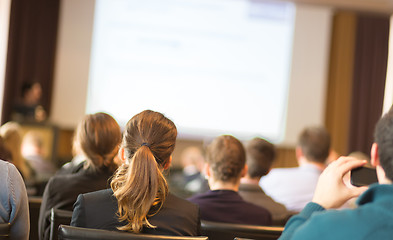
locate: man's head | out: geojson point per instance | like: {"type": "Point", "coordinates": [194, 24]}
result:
{"type": "Point", "coordinates": [314, 143]}
{"type": "Point", "coordinates": [260, 156]}
{"type": "Point", "coordinates": [31, 92]}
{"type": "Point", "coordinates": [383, 135]}
{"type": "Point", "coordinates": [226, 159]}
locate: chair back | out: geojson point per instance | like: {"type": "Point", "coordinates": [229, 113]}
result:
{"type": "Point", "coordinates": [4, 231]}
{"type": "Point", "coordinates": [34, 210]}
{"type": "Point", "coordinates": [77, 233]}
{"type": "Point", "coordinates": [58, 217]}
{"type": "Point", "coordinates": [224, 231]}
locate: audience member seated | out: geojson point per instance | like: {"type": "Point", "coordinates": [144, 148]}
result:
{"type": "Point", "coordinates": [99, 136]}
{"type": "Point", "coordinates": [5, 154]}
{"type": "Point", "coordinates": [28, 109]}
{"type": "Point", "coordinates": [225, 165]}
{"type": "Point", "coordinates": [139, 200]}
{"type": "Point", "coordinates": [372, 219]}
{"type": "Point", "coordinates": [14, 208]}
{"type": "Point", "coordinates": [77, 162]}
{"type": "Point", "coordinates": [294, 187]}
{"type": "Point", "coordinates": [12, 135]}
{"type": "Point", "coordinates": [190, 180]}
{"type": "Point", "coordinates": [33, 152]}
{"type": "Point", "coordinates": [260, 155]}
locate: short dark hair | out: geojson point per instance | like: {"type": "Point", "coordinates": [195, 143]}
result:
{"type": "Point", "coordinates": [226, 157]}
{"type": "Point", "coordinates": [26, 86]}
{"type": "Point", "coordinates": [383, 135]}
{"type": "Point", "coordinates": [260, 156]}
{"type": "Point", "coordinates": [315, 144]}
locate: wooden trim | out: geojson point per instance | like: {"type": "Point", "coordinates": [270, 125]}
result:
{"type": "Point", "coordinates": [340, 80]}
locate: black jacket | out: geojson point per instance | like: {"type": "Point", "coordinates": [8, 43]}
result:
{"type": "Point", "coordinates": [62, 190]}
{"type": "Point", "coordinates": [177, 217]}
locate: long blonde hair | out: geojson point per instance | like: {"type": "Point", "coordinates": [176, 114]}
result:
{"type": "Point", "coordinates": [139, 185]}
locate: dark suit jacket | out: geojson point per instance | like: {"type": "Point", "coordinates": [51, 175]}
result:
{"type": "Point", "coordinates": [98, 210]}
{"type": "Point", "coordinates": [253, 193]}
{"type": "Point", "coordinates": [227, 206]}
{"type": "Point", "coordinates": [62, 190]}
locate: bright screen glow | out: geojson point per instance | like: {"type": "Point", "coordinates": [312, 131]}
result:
{"type": "Point", "coordinates": [212, 66]}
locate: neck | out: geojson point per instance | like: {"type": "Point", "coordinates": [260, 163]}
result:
{"type": "Point", "coordinates": [382, 179]}
{"type": "Point", "coordinates": [303, 161]}
{"type": "Point", "coordinates": [248, 180]}
{"type": "Point", "coordinates": [219, 185]}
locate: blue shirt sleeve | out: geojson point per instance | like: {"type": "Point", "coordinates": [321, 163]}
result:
{"type": "Point", "coordinates": [298, 222]}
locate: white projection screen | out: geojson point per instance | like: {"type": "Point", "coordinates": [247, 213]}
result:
{"type": "Point", "coordinates": [212, 66]}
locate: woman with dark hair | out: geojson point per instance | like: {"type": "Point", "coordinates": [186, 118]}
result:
{"type": "Point", "coordinates": [98, 137]}
{"type": "Point", "coordinates": [139, 200]}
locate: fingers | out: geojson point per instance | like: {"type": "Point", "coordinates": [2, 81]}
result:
{"type": "Point", "coordinates": [345, 164]}
{"type": "Point", "coordinates": [355, 192]}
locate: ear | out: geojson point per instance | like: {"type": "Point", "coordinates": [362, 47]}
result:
{"type": "Point", "coordinates": [299, 152]}
{"type": "Point", "coordinates": [374, 155]}
{"type": "Point", "coordinates": [168, 164]}
{"type": "Point", "coordinates": [206, 169]}
{"type": "Point", "coordinates": [121, 155]}
{"type": "Point", "coordinates": [244, 171]}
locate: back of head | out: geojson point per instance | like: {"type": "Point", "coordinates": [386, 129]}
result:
{"type": "Point", "coordinates": [139, 185]}
{"type": "Point", "coordinates": [192, 156]}
{"type": "Point", "coordinates": [99, 136]}
{"type": "Point", "coordinates": [26, 87]}
{"type": "Point", "coordinates": [383, 135]}
{"type": "Point", "coordinates": [11, 133]}
{"type": "Point", "coordinates": [315, 144]}
{"type": "Point", "coordinates": [5, 154]}
{"type": "Point", "coordinates": [226, 157]}
{"type": "Point", "coordinates": [33, 143]}
{"type": "Point", "coordinates": [260, 156]}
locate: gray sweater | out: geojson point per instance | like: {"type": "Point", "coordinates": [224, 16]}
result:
{"type": "Point", "coordinates": [14, 207]}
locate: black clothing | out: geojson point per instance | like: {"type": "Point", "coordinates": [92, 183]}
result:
{"type": "Point", "coordinates": [227, 206]}
{"type": "Point", "coordinates": [177, 217]}
{"type": "Point", "coordinates": [62, 190]}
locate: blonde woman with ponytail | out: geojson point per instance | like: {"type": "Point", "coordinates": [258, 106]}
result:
{"type": "Point", "coordinates": [139, 200]}
{"type": "Point", "coordinates": [98, 136]}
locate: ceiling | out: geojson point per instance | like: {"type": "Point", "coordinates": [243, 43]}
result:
{"type": "Point", "coordinates": [379, 6]}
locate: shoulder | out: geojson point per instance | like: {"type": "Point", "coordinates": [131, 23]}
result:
{"type": "Point", "coordinates": [176, 206]}
{"type": "Point", "coordinates": [8, 169]}
{"type": "Point", "coordinates": [11, 179]}
{"type": "Point", "coordinates": [95, 209]}
{"type": "Point", "coordinates": [173, 200]}
{"type": "Point", "coordinates": [343, 224]}
{"type": "Point", "coordinates": [97, 196]}
{"type": "Point", "coordinates": [177, 217]}
{"type": "Point", "coordinates": [201, 196]}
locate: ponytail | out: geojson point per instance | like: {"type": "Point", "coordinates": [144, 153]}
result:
{"type": "Point", "coordinates": [140, 189]}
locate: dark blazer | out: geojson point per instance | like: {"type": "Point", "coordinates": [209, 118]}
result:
{"type": "Point", "coordinates": [254, 194]}
{"type": "Point", "coordinates": [98, 210]}
{"type": "Point", "coordinates": [62, 190]}
{"type": "Point", "coordinates": [227, 206]}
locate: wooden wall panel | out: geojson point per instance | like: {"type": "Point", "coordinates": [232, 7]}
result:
{"type": "Point", "coordinates": [286, 157]}
{"type": "Point", "coordinates": [340, 80]}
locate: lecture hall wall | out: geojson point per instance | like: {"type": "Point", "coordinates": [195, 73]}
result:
{"type": "Point", "coordinates": [314, 66]}
{"type": "Point", "coordinates": [309, 71]}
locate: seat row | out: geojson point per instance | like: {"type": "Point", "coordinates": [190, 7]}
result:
{"type": "Point", "coordinates": [212, 230]}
